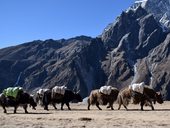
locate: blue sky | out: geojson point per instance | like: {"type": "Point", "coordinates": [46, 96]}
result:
{"type": "Point", "coordinates": [27, 20]}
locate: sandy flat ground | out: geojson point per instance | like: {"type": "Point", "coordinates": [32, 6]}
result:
{"type": "Point", "coordinates": [80, 117]}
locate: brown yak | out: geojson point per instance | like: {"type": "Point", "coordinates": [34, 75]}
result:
{"type": "Point", "coordinates": [146, 98]}
{"type": "Point", "coordinates": [98, 98]}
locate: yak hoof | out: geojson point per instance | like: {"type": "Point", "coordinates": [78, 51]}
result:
{"type": "Point", "coordinates": [46, 109]}
{"type": "Point", "coordinates": [108, 106]}
{"type": "Point", "coordinates": [5, 111]}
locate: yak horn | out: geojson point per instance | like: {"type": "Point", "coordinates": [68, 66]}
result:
{"type": "Point", "coordinates": [78, 91]}
{"type": "Point", "coordinates": [158, 93]}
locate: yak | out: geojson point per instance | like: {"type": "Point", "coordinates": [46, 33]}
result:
{"type": "Point", "coordinates": [68, 96]}
{"type": "Point", "coordinates": [23, 100]}
{"type": "Point", "coordinates": [98, 98]}
{"type": "Point", "coordinates": [146, 98]}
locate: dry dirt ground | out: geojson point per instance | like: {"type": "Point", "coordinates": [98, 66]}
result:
{"type": "Point", "coordinates": [80, 117]}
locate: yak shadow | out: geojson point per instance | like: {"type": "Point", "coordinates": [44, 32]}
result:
{"type": "Point", "coordinates": [144, 110]}
{"type": "Point", "coordinates": [34, 113]}
{"type": "Point", "coordinates": [162, 110]}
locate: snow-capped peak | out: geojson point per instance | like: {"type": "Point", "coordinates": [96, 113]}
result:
{"type": "Point", "coordinates": [159, 8]}
{"type": "Point", "coordinates": [141, 2]}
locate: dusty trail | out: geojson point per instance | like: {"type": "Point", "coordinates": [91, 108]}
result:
{"type": "Point", "coordinates": [80, 117]}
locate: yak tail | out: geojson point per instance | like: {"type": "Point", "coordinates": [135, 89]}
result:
{"type": "Point", "coordinates": [45, 100]}
{"type": "Point", "coordinates": [119, 99]}
{"type": "Point", "coordinates": [88, 100]}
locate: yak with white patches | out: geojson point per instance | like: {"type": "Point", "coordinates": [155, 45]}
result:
{"type": "Point", "coordinates": [23, 100]}
{"type": "Point", "coordinates": [50, 98]}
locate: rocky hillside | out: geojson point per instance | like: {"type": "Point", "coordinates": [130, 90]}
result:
{"type": "Point", "coordinates": [75, 63]}
{"type": "Point", "coordinates": [132, 49]}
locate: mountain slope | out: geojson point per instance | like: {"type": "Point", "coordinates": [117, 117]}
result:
{"type": "Point", "coordinates": [74, 63]}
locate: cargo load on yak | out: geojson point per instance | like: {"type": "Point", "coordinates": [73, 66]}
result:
{"type": "Point", "coordinates": [12, 91]}
{"type": "Point", "coordinates": [137, 87]}
{"type": "Point", "coordinates": [105, 90]}
{"type": "Point", "coordinates": [58, 91]}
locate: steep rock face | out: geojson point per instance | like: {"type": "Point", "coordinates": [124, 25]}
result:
{"type": "Point", "coordinates": [130, 39]}
{"type": "Point", "coordinates": [159, 65]}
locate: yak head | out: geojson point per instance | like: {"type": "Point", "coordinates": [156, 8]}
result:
{"type": "Point", "coordinates": [78, 96]}
{"type": "Point", "coordinates": [159, 97]}
{"type": "Point", "coordinates": [32, 102]}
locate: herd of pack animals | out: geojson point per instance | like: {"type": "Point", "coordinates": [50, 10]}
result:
{"type": "Point", "coordinates": [137, 93]}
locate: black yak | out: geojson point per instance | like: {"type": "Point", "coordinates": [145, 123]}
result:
{"type": "Point", "coordinates": [22, 100]}
{"type": "Point", "coordinates": [68, 96]}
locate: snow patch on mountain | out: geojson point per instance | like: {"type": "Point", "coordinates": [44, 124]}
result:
{"type": "Point", "coordinates": [159, 8]}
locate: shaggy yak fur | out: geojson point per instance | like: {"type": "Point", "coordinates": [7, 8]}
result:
{"type": "Point", "coordinates": [97, 98]}
{"type": "Point", "coordinates": [146, 98]}
{"type": "Point", "coordinates": [23, 100]}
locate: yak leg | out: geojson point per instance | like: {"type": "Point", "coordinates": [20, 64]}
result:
{"type": "Point", "coordinates": [54, 106]}
{"type": "Point", "coordinates": [125, 107]}
{"type": "Point", "coordinates": [25, 108]}
{"type": "Point", "coordinates": [143, 98]}
{"type": "Point", "coordinates": [88, 104]}
{"type": "Point", "coordinates": [68, 106]}
{"type": "Point", "coordinates": [152, 107]}
{"type": "Point", "coordinates": [97, 104]}
{"type": "Point", "coordinates": [88, 107]}
{"type": "Point", "coordinates": [154, 101]}
{"type": "Point", "coordinates": [120, 102]}
{"type": "Point", "coordinates": [119, 106]}
{"type": "Point", "coordinates": [141, 104]}
{"type": "Point", "coordinates": [62, 104]}
{"type": "Point", "coordinates": [46, 107]}
{"type": "Point", "coordinates": [15, 109]}
{"type": "Point", "coordinates": [4, 109]}
{"type": "Point", "coordinates": [150, 104]}
{"type": "Point", "coordinates": [110, 105]}
{"type": "Point", "coordinates": [3, 102]}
